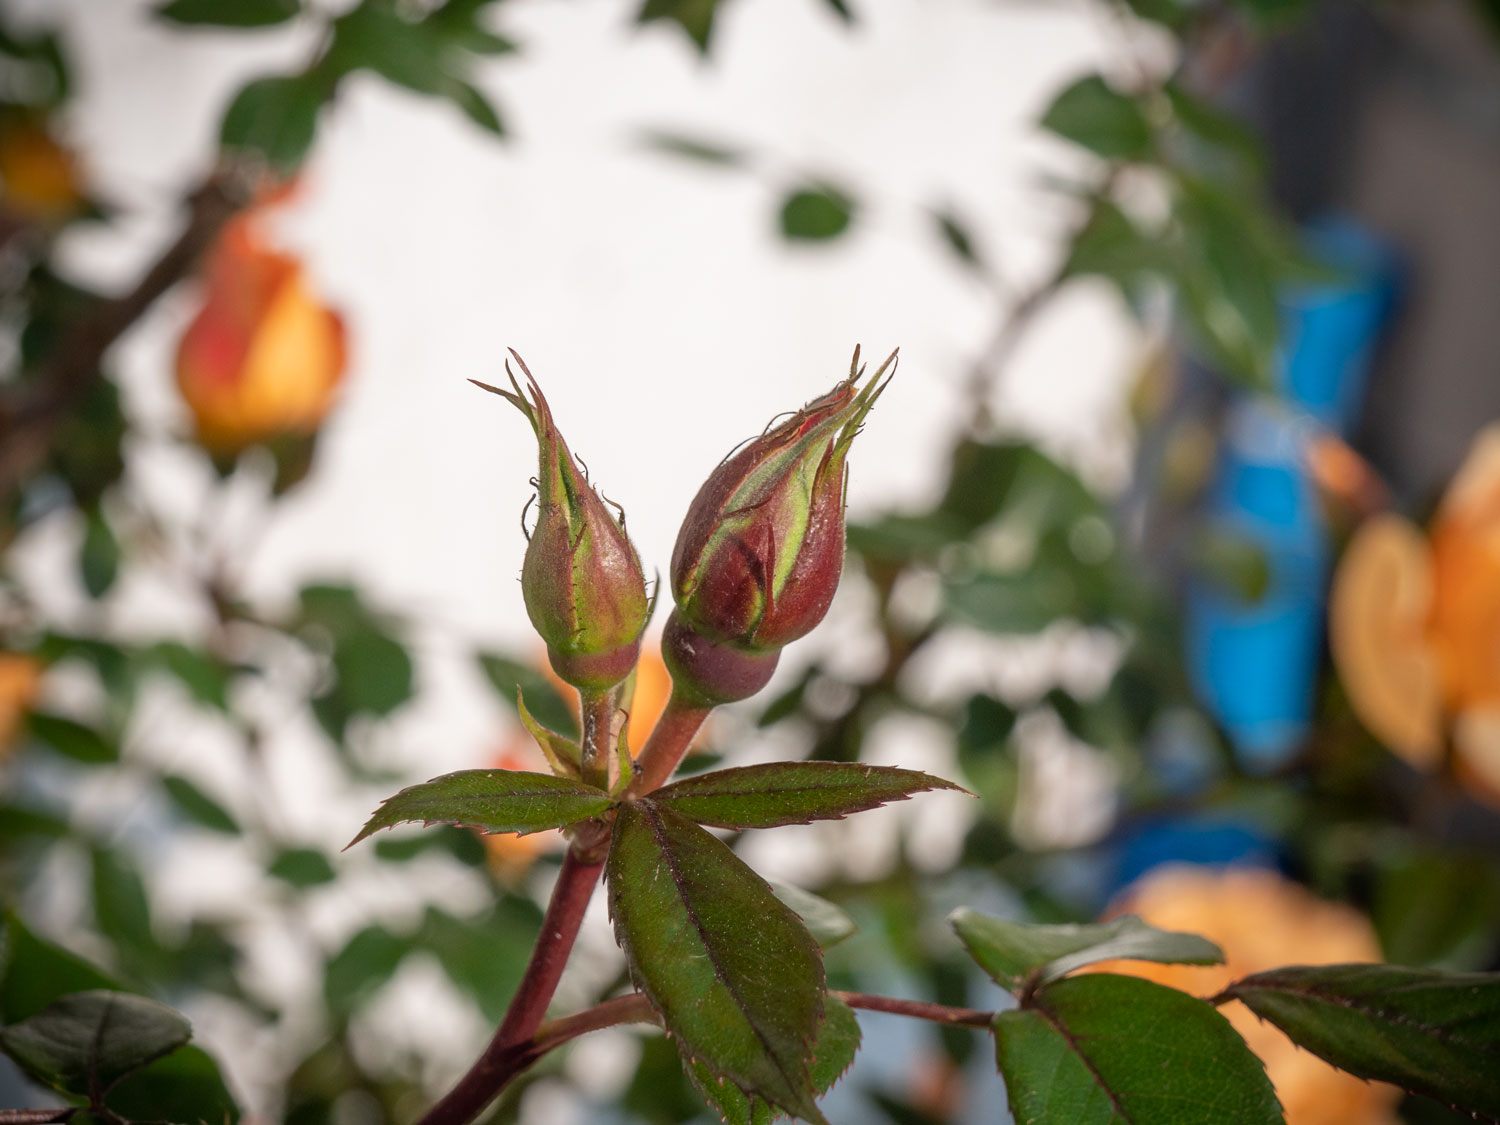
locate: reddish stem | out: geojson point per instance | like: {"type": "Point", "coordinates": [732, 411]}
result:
{"type": "Point", "coordinates": [918, 1009]}
{"type": "Point", "coordinates": [668, 743]}
{"type": "Point", "coordinates": [498, 1064]}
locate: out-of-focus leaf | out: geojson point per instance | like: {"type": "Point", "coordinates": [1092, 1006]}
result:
{"type": "Point", "coordinates": [544, 701]}
{"type": "Point", "coordinates": [683, 907]}
{"type": "Point", "coordinates": [366, 962]}
{"type": "Point", "coordinates": [694, 17]}
{"type": "Point", "coordinates": [486, 956]}
{"type": "Point", "coordinates": [198, 806]}
{"type": "Point", "coordinates": [99, 555]}
{"type": "Point", "coordinates": [1428, 1032]}
{"type": "Point", "coordinates": [302, 867]}
{"type": "Point", "coordinates": [838, 1041]}
{"type": "Point", "coordinates": [1233, 562]}
{"type": "Point", "coordinates": [203, 675]}
{"type": "Point", "coordinates": [122, 909]}
{"type": "Point", "coordinates": [957, 237]}
{"type": "Point", "coordinates": [816, 213]}
{"type": "Point", "coordinates": [1020, 956]}
{"type": "Point", "coordinates": [493, 801]}
{"type": "Point", "coordinates": [461, 843]}
{"type": "Point", "coordinates": [1435, 909]}
{"type": "Point", "coordinates": [34, 973]}
{"type": "Point", "coordinates": [778, 793]}
{"type": "Point", "coordinates": [87, 1041]}
{"type": "Point", "coordinates": [72, 739]}
{"type": "Point", "coordinates": [1104, 1050]}
{"type": "Point", "coordinates": [276, 117]}
{"type": "Point", "coordinates": [1093, 114]}
{"type": "Point", "coordinates": [229, 13]}
{"type": "Point", "coordinates": [375, 673]}
{"type": "Point", "coordinates": [1216, 128]}
{"type": "Point", "coordinates": [17, 821]}
{"type": "Point", "coordinates": [694, 148]}
{"type": "Point", "coordinates": [826, 922]}
{"type": "Point", "coordinates": [184, 1086]}
{"type": "Point", "coordinates": [842, 10]}
{"type": "Point", "coordinates": [476, 105]}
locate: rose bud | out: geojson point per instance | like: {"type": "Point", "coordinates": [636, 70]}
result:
{"type": "Point", "coordinates": [582, 580]}
{"type": "Point", "coordinates": [262, 361]}
{"type": "Point", "coordinates": [761, 551]}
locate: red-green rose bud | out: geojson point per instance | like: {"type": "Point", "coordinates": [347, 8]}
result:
{"type": "Point", "coordinates": [582, 581]}
{"type": "Point", "coordinates": [759, 556]}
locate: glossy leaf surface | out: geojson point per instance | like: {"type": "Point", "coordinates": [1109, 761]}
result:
{"type": "Point", "coordinates": [87, 1041]}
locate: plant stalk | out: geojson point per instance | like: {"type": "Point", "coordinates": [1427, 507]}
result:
{"type": "Point", "coordinates": [669, 742]}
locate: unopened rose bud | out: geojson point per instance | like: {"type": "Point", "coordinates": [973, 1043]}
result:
{"type": "Point", "coordinates": [262, 361]}
{"type": "Point", "coordinates": [759, 556]}
{"type": "Point", "coordinates": [582, 580]}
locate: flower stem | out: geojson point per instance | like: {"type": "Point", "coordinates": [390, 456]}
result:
{"type": "Point", "coordinates": [597, 710]}
{"type": "Point", "coordinates": [669, 741]}
{"type": "Point", "coordinates": [501, 1060]}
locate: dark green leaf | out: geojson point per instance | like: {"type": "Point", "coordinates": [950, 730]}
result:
{"type": "Point", "coordinates": [542, 699]}
{"type": "Point", "coordinates": [375, 673]}
{"type": "Point", "coordinates": [695, 17]}
{"type": "Point", "coordinates": [87, 1041]}
{"type": "Point", "coordinates": [838, 1040]}
{"type": "Point", "coordinates": [734, 974]}
{"type": "Point", "coordinates": [476, 106]}
{"type": "Point", "coordinates": [816, 213]}
{"type": "Point", "coordinates": [184, 1086]}
{"type": "Point", "coordinates": [1109, 1050]}
{"type": "Point", "coordinates": [460, 843]}
{"type": "Point", "coordinates": [275, 117]}
{"type": "Point", "coordinates": [121, 908]}
{"type": "Point", "coordinates": [229, 13]}
{"type": "Point", "coordinates": [826, 922]}
{"type": "Point", "coordinates": [302, 867]}
{"type": "Point", "coordinates": [376, 36]}
{"type": "Point", "coordinates": [17, 821]}
{"type": "Point", "coordinates": [695, 148]}
{"type": "Point", "coordinates": [1021, 956]}
{"type": "Point", "coordinates": [779, 793]}
{"type": "Point", "coordinates": [99, 556]}
{"type": "Point", "coordinates": [492, 801]}
{"type": "Point", "coordinates": [1092, 114]}
{"type": "Point", "coordinates": [1428, 1032]}
{"type": "Point", "coordinates": [956, 236]}
{"type": "Point", "coordinates": [1435, 908]}
{"type": "Point", "coordinates": [203, 675]}
{"type": "Point", "coordinates": [34, 973]}
{"type": "Point", "coordinates": [71, 739]}
{"type": "Point", "coordinates": [362, 966]}
{"type": "Point", "coordinates": [842, 10]}
{"type": "Point", "coordinates": [198, 806]}
{"type": "Point", "coordinates": [486, 956]}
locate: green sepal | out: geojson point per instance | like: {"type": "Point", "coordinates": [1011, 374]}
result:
{"type": "Point", "coordinates": [563, 754]}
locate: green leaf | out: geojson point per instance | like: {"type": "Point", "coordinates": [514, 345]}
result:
{"type": "Point", "coordinates": [816, 213]}
{"type": "Point", "coordinates": [1232, 561]}
{"type": "Point", "coordinates": [375, 672]}
{"type": "Point", "coordinates": [229, 13]}
{"type": "Point", "coordinates": [542, 699]}
{"type": "Point", "coordinates": [562, 754]}
{"type": "Point", "coordinates": [1110, 1050]}
{"type": "Point", "coordinates": [476, 106]}
{"type": "Point", "coordinates": [841, 9]}
{"type": "Point", "coordinates": [826, 922]}
{"type": "Point", "coordinates": [198, 806]}
{"type": "Point", "coordinates": [365, 963]}
{"type": "Point", "coordinates": [71, 739]}
{"type": "Point", "coordinates": [838, 1041]}
{"type": "Point", "coordinates": [694, 17]}
{"type": "Point", "coordinates": [203, 675]}
{"type": "Point", "coordinates": [1428, 1032]}
{"type": "Point", "coordinates": [18, 821]}
{"type": "Point", "coordinates": [1021, 956]}
{"type": "Point", "coordinates": [492, 801]}
{"type": "Point", "coordinates": [1092, 114]}
{"type": "Point", "coordinates": [302, 867]}
{"type": "Point", "coordinates": [184, 1086]}
{"type": "Point", "coordinates": [88, 1041]}
{"type": "Point", "coordinates": [734, 974]}
{"type": "Point", "coordinates": [34, 973]}
{"type": "Point", "coordinates": [486, 956]}
{"type": "Point", "coordinates": [957, 237]}
{"type": "Point", "coordinates": [99, 555]}
{"type": "Point", "coordinates": [779, 793]}
{"type": "Point", "coordinates": [460, 843]}
{"type": "Point", "coordinates": [695, 148]}
{"type": "Point", "coordinates": [276, 117]}
{"type": "Point", "coordinates": [122, 909]}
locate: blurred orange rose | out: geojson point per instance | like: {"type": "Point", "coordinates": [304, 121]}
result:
{"type": "Point", "coordinates": [263, 359]}
{"type": "Point", "coordinates": [20, 682]}
{"type": "Point", "coordinates": [1262, 921]}
{"type": "Point", "coordinates": [39, 179]}
{"type": "Point", "coordinates": [1414, 624]}
{"type": "Point", "coordinates": [511, 856]}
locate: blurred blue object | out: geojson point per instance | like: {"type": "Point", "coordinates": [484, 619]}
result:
{"type": "Point", "coordinates": [1255, 665]}
{"type": "Point", "coordinates": [1211, 840]}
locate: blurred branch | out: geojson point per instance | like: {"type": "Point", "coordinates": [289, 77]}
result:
{"type": "Point", "coordinates": [30, 419]}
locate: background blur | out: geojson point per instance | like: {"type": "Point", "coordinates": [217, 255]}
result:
{"type": "Point", "coordinates": [1177, 538]}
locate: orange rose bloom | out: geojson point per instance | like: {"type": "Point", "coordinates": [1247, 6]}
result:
{"type": "Point", "coordinates": [263, 358]}
{"type": "Point", "coordinates": [1415, 625]}
{"type": "Point", "coordinates": [20, 682]}
{"type": "Point", "coordinates": [39, 176]}
{"type": "Point", "coordinates": [1262, 921]}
